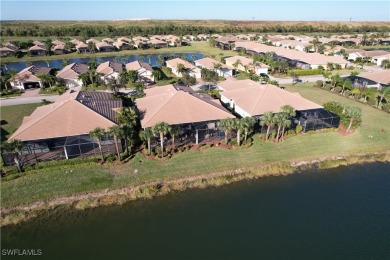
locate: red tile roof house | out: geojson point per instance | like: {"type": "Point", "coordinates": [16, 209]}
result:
{"type": "Point", "coordinates": [197, 115]}
{"type": "Point", "coordinates": [59, 49]}
{"type": "Point", "coordinates": [27, 78]}
{"type": "Point", "coordinates": [143, 69]}
{"type": "Point", "coordinates": [5, 52]}
{"type": "Point", "coordinates": [70, 74]}
{"type": "Point", "coordinates": [37, 51]}
{"type": "Point", "coordinates": [158, 44]}
{"type": "Point", "coordinates": [109, 69]}
{"type": "Point", "coordinates": [61, 130]}
{"type": "Point", "coordinates": [39, 43]}
{"type": "Point", "coordinates": [208, 63]}
{"type": "Point", "coordinates": [191, 69]}
{"type": "Point", "coordinates": [104, 47]}
{"type": "Point", "coordinates": [252, 99]}
{"type": "Point", "coordinates": [379, 80]}
{"type": "Point", "coordinates": [122, 45]}
{"type": "Point", "coordinates": [82, 47]}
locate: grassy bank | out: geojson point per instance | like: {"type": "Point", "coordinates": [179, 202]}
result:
{"type": "Point", "coordinates": [200, 47]}
{"type": "Point", "coordinates": [372, 136]}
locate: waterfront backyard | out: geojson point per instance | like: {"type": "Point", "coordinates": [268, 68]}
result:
{"type": "Point", "coordinates": [372, 136]}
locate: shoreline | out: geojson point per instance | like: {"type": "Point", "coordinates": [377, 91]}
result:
{"type": "Point", "coordinates": [16, 215]}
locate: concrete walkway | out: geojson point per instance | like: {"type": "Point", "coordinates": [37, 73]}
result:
{"type": "Point", "coordinates": [26, 100]}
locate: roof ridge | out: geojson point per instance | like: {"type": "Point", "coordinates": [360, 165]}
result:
{"type": "Point", "coordinates": [168, 100]}
{"type": "Point", "coordinates": [95, 110]}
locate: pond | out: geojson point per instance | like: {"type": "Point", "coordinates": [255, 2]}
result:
{"type": "Point", "coordinates": [341, 213]}
{"type": "Point", "coordinates": [151, 59]}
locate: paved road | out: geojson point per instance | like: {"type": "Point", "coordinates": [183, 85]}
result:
{"type": "Point", "coordinates": [27, 100]}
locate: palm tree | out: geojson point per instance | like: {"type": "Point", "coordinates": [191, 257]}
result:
{"type": "Point", "coordinates": [347, 84]}
{"type": "Point", "coordinates": [147, 135]}
{"type": "Point", "coordinates": [288, 112]}
{"type": "Point", "coordinates": [127, 131]}
{"type": "Point", "coordinates": [127, 116]}
{"type": "Point", "coordinates": [84, 77]}
{"type": "Point", "coordinates": [336, 79]}
{"type": "Point", "coordinates": [12, 75]}
{"type": "Point", "coordinates": [368, 93]}
{"type": "Point", "coordinates": [123, 77]}
{"type": "Point", "coordinates": [329, 66]}
{"type": "Point", "coordinates": [267, 120]}
{"type": "Point", "coordinates": [150, 56]}
{"type": "Point", "coordinates": [180, 68]}
{"type": "Point", "coordinates": [383, 93]}
{"type": "Point", "coordinates": [235, 64]}
{"type": "Point", "coordinates": [14, 146]}
{"type": "Point", "coordinates": [46, 79]}
{"type": "Point", "coordinates": [278, 120]}
{"type": "Point", "coordinates": [161, 129]}
{"type": "Point", "coordinates": [218, 66]}
{"type": "Point", "coordinates": [160, 59]}
{"type": "Point", "coordinates": [285, 124]}
{"type": "Point", "coordinates": [385, 64]}
{"type": "Point", "coordinates": [65, 63]}
{"type": "Point", "coordinates": [174, 130]}
{"type": "Point", "coordinates": [156, 75]}
{"type": "Point", "coordinates": [354, 114]}
{"type": "Point", "coordinates": [98, 134]}
{"type": "Point", "coordinates": [247, 125]}
{"type": "Point", "coordinates": [226, 126]}
{"type": "Point", "coordinates": [116, 132]}
{"type": "Point", "coordinates": [237, 126]}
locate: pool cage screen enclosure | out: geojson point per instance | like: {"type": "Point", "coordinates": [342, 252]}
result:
{"type": "Point", "coordinates": [316, 119]}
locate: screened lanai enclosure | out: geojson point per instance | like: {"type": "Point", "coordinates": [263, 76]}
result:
{"type": "Point", "coordinates": [316, 119]}
{"type": "Point", "coordinates": [62, 148]}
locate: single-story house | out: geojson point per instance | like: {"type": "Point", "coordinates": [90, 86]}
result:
{"type": "Point", "coordinates": [143, 69]}
{"type": "Point", "coordinates": [109, 69]}
{"type": "Point", "coordinates": [196, 115]}
{"type": "Point", "coordinates": [252, 99]}
{"type": "Point", "coordinates": [61, 130]}
{"type": "Point", "coordinates": [39, 43]}
{"type": "Point", "coordinates": [75, 41]}
{"type": "Point", "coordinates": [70, 74]}
{"type": "Point", "coordinates": [190, 68]}
{"type": "Point", "coordinates": [94, 41]}
{"type": "Point", "coordinates": [365, 54]}
{"type": "Point", "coordinates": [208, 63]}
{"type": "Point", "coordinates": [140, 44]}
{"type": "Point", "coordinates": [122, 45]}
{"type": "Point", "coordinates": [124, 39]}
{"type": "Point", "coordinates": [378, 59]}
{"type": "Point", "coordinates": [377, 80]}
{"type": "Point", "coordinates": [82, 47]}
{"type": "Point", "coordinates": [158, 44]}
{"type": "Point", "coordinates": [59, 49]}
{"type": "Point", "coordinates": [5, 52]}
{"type": "Point", "coordinates": [9, 45]}
{"type": "Point", "coordinates": [104, 47]}
{"type": "Point", "coordinates": [27, 78]}
{"type": "Point", "coordinates": [246, 64]}
{"type": "Point", "coordinates": [58, 42]}
{"type": "Point", "coordinates": [37, 51]}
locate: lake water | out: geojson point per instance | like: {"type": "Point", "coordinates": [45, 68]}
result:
{"type": "Point", "coordinates": [341, 213]}
{"type": "Point", "coordinates": [122, 59]}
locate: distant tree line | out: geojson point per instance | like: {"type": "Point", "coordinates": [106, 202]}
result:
{"type": "Point", "coordinates": [108, 30]}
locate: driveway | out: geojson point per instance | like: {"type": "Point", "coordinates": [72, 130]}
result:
{"type": "Point", "coordinates": [30, 93]}
{"type": "Point", "coordinates": [26, 100]}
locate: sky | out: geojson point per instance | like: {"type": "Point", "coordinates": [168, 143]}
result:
{"type": "Point", "coordinates": [287, 10]}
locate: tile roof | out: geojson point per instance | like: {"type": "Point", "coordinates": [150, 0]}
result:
{"type": "Point", "coordinates": [36, 48]}
{"type": "Point", "coordinates": [72, 71]}
{"type": "Point", "coordinates": [382, 77]}
{"type": "Point", "coordinates": [136, 65]}
{"type": "Point", "coordinates": [28, 74]}
{"type": "Point", "coordinates": [109, 67]}
{"type": "Point", "coordinates": [72, 114]}
{"type": "Point", "coordinates": [256, 99]}
{"type": "Point", "coordinates": [177, 107]}
{"type": "Point", "coordinates": [209, 63]}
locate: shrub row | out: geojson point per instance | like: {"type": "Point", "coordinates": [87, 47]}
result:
{"type": "Point", "coordinates": [304, 72]}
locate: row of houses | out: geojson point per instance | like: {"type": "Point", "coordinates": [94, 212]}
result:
{"type": "Point", "coordinates": [295, 58]}
{"type": "Point", "coordinates": [60, 130]}
{"type": "Point", "coordinates": [70, 74]}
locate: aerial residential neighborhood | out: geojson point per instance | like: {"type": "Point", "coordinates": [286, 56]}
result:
{"type": "Point", "coordinates": [195, 129]}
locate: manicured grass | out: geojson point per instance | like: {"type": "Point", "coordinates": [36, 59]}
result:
{"type": "Point", "coordinates": [12, 116]}
{"type": "Point", "coordinates": [199, 47]}
{"type": "Point", "coordinates": [139, 170]}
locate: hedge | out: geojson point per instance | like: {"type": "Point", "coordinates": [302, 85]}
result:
{"type": "Point", "coordinates": [305, 72]}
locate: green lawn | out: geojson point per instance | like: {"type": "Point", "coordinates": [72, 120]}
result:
{"type": "Point", "coordinates": [199, 47]}
{"type": "Point", "coordinates": [139, 170]}
{"type": "Point", "coordinates": [12, 116]}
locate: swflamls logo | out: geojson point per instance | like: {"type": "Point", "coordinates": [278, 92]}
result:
{"type": "Point", "coordinates": [19, 252]}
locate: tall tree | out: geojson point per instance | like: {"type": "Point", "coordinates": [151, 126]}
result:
{"type": "Point", "coordinates": [116, 132]}
{"type": "Point", "coordinates": [278, 120]}
{"type": "Point", "coordinates": [247, 125]}
{"type": "Point", "coordinates": [354, 114]}
{"type": "Point", "coordinates": [161, 129]}
{"type": "Point", "coordinates": [226, 126]}
{"type": "Point", "coordinates": [174, 130]}
{"type": "Point", "coordinates": [146, 135]}
{"type": "Point", "coordinates": [384, 93]}
{"type": "Point", "coordinates": [97, 134]}
{"type": "Point", "coordinates": [267, 120]}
